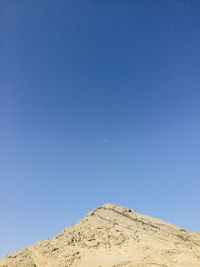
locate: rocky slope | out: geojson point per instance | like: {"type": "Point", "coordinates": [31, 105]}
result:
{"type": "Point", "coordinates": [113, 236]}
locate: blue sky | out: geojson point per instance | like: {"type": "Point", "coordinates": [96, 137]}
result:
{"type": "Point", "coordinates": [75, 73]}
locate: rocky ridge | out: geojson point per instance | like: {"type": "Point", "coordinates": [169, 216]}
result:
{"type": "Point", "coordinates": [113, 236]}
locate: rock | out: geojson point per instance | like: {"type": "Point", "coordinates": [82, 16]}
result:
{"type": "Point", "coordinates": [109, 236]}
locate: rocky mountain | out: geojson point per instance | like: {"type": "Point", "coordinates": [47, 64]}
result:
{"type": "Point", "coordinates": [113, 236]}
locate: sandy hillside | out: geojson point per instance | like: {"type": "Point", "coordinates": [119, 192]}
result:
{"type": "Point", "coordinates": [113, 236]}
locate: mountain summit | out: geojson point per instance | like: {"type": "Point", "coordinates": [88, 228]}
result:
{"type": "Point", "coordinates": [113, 236]}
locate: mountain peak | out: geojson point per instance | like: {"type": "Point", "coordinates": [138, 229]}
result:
{"type": "Point", "coordinates": [111, 235]}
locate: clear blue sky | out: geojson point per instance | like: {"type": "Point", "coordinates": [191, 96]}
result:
{"type": "Point", "coordinates": [74, 73]}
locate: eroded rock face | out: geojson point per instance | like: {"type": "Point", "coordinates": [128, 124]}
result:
{"type": "Point", "coordinates": [113, 236]}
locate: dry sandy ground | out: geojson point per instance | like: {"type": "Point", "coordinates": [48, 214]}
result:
{"type": "Point", "coordinates": [113, 236]}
